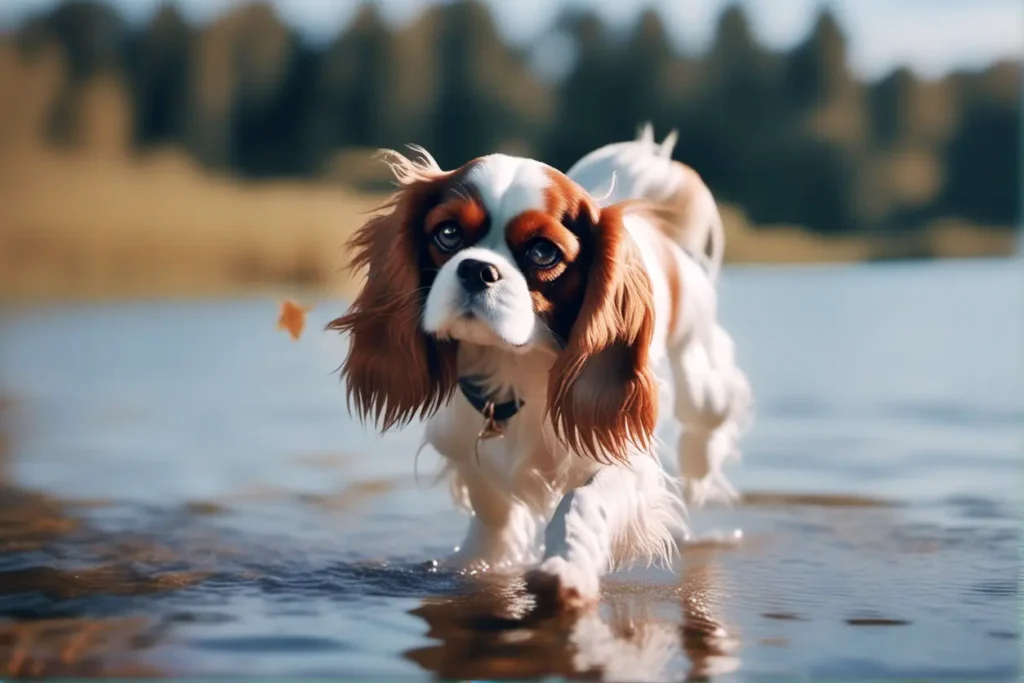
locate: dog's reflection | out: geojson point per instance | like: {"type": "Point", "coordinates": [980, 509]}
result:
{"type": "Point", "coordinates": [636, 635]}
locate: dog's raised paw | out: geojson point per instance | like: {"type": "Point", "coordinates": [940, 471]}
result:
{"type": "Point", "coordinates": [560, 586]}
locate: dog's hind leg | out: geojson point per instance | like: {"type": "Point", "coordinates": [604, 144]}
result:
{"type": "Point", "coordinates": [712, 404]}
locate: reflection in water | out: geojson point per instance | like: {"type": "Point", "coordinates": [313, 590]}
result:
{"type": "Point", "coordinates": [58, 584]}
{"type": "Point", "coordinates": [44, 635]}
{"type": "Point", "coordinates": [707, 643]}
{"type": "Point", "coordinates": [41, 633]}
{"type": "Point", "coordinates": [493, 633]}
{"type": "Point", "coordinates": [39, 645]}
{"type": "Point", "coordinates": [73, 647]}
{"type": "Point", "coordinates": [28, 521]}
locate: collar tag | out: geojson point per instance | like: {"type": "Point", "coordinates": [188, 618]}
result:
{"type": "Point", "coordinates": [495, 414]}
{"type": "Point", "coordinates": [492, 429]}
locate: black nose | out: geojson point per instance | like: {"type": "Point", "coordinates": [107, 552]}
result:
{"type": "Point", "coordinates": [476, 275]}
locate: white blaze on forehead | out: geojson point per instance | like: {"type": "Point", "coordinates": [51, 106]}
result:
{"type": "Point", "coordinates": [508, 186]}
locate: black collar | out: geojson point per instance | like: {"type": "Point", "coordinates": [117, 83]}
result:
{"type": "Point", "coordinates": [473, 390]}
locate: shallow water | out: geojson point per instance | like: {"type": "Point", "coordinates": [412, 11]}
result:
{"type": "Point", "coordinates": [183, 492]}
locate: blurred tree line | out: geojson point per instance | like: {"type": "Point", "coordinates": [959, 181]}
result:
{"type": "Point", "coordinates": [793, 137]}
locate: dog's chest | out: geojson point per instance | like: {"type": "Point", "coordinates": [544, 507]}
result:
{"type": "Point", "coordinates": [509, 449]}
{"type": "Point", "coordinates": [524, 460]}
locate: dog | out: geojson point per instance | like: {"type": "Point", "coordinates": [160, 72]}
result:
{"type": "Point", "coordinates": [523, 315]}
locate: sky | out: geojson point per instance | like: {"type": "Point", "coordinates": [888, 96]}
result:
{"type": "Point", "coordinates": [931, 36]}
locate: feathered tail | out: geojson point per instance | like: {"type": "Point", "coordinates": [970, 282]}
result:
{"type": "Point", "coordinates": [643, 169]}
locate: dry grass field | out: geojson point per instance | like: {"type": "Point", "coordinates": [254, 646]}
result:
{"type": "Point", "coordinates": [87, 227]}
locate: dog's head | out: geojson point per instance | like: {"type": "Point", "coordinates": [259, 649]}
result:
{"type": "Point", "coordinates": [510, 254]}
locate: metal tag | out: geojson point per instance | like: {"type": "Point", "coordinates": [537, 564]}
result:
{"type": "Point", "coordinates": [490, 430]}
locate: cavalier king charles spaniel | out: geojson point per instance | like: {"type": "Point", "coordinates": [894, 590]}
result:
{"type": "Point", "coordinates": [524, 313]}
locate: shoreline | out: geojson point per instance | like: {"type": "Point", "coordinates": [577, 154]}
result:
{"type": "Point", "coordinates": [342, 292]}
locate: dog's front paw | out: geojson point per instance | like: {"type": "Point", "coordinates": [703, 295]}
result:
{"type": "Point", "coordinates": [560, 586]}
{"type": "Point", "coordinates": [464, 562]}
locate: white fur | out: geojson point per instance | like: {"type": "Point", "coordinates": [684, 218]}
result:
{"type": "Point", "coordinates": [533, 503]}
{"type": "Point", "coordinates": [508, 186]}
{"type": "Point", "coordinates": [643, 169]}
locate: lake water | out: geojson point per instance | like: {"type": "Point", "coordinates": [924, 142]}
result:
{"type": "Point", "coordinates": [183, 492]}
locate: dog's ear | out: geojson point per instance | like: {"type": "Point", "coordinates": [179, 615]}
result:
{"type": "Point", "coordinates": [602, 392]}
{"type": "Point", "coordinates": [394, 371]}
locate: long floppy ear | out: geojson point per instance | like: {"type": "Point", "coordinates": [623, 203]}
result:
{"type": "Point", "coordinates": [394, 371]}
{"type": "Point", "coordinates": [602, 392]}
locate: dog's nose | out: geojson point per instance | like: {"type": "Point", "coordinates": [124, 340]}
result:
{"type": "Point", "coordinates": [477, 275]}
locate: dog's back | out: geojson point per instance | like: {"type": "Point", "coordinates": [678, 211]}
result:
{"type": "Point", "coordinates": [644, 169]}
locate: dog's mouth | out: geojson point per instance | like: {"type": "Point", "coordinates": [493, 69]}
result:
{"type": "Point", "coordinates": [475, 308]}
{"type": "Point", "coordinates": [479, 320]}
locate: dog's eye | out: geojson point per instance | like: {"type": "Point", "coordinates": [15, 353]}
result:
{"type": "Point", "coordinates": [448, 236]}
{"type": "Point", "coordinates": [543, 254]}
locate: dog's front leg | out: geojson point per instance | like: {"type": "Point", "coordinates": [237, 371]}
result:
{"type": "Point", "coordinates": [502, 532]}
{"type": "Point", "coordinates": [620, 515]}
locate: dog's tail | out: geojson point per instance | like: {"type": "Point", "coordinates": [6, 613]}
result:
{"type": "Point", "coordinates": [643, 169]}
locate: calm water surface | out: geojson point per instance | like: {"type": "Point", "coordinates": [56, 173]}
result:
{"type": "Point", "coordinates": [183, 492]}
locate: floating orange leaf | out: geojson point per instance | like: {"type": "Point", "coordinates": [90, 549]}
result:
{"type": "Point", "coordinates": [292, 318]}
